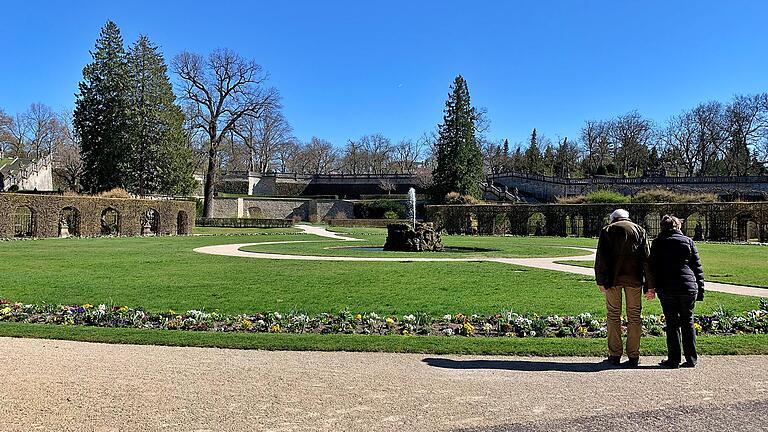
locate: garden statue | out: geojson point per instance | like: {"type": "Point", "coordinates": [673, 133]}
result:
{"type": "Point", "coordinates": [63, 228]}
{"type": "Point", "coordinates": [698, 231]}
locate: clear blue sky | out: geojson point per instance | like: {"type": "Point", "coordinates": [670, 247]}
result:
{"type": "Point", "coordinates": [348, 68]}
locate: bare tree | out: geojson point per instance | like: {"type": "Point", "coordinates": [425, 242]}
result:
{"type": "Point", "coordinates": [353, 158]}
{"type": "Point", "coordinates": [597, 149]}
{"type": "Point", "coordinates": [387, 184]}
{"type": "Point", "coordinates": [221, 89]}
{"type": "Point", "coordinates": [68, 164]}
{"type": "Point", "coordinates": [631, 136]}
{"type": "Point", "coordinates": [407, 153]}
{"type": "Point", "coordinates": [263, 136]}
{"type": "Point", "coordinates": [6, 138]}
{"type": "Point", "coordinates": [318, 156]}
{"type": "Point", "coordinates": [745, 123]}
{"type": "Point", "coordinates": [44, 130]}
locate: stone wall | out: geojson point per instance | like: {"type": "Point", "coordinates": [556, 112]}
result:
{"type": "Point", "coordinates": [299, 208]}
{"type": "Point", "coordinates": [548, 188]}
{"type": "Point", "coordinates": [288, 184]}
{"type": "Point", "coordinates": [40, 215]}
{"type": "Point", "coordinates": [710, 221]}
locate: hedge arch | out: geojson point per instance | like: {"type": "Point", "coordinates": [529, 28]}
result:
{"type": "Point", "coordinates": [152, 217]}
{"type": "Point", "coordinates": [110, 221]}
{"type": "Point", "coordinates": [537, 224]}
{"type": "Point", "coordinates": [71, 216]}
{"type": "Point", "coordinates": [24, 222]}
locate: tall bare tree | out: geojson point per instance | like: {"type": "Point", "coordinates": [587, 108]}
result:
{"type": "Point", "coordinates": [68, 164]}
{"type": "Point", "coordinates": [263, 136]}
{"type": "Point", "coordinates": [221, 89]}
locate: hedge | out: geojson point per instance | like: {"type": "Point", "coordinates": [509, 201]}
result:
{"type": "Point", "coordinates": [244, 223]}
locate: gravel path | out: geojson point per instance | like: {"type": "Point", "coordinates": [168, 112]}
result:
{"type": "Point", "coordinates": [74, 386]}
{"type": "Point", "coordinates": [540, 263]}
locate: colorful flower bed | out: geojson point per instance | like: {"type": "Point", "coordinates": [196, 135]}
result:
{"type": "Point", "coordinates": [346, 322]}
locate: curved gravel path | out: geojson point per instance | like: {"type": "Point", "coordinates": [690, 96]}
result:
{"type": "Point", "coordinates": [76, 386]}
{"type": "Point", "coordinates": [540, 263]}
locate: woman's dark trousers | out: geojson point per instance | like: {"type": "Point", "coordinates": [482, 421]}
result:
{"type": "Point", "coordinates": [678, 312]}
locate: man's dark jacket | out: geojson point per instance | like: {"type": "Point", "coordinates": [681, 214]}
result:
{"type": "Point", "coordinates": [622, 256]}
{"type": "Point", "coordinates": [676, 265]}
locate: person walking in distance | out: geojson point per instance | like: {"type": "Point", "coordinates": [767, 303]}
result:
{"type": "Point", "coordinates": [679, 277]}
{"type": "Point", "coordinates": [622, 267]}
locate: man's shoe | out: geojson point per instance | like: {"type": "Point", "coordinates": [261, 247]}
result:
{"type": "Point", "coordinates": [668, 364]}
{"type": "Point", "coordinates": [632, 363]}
{"type": "Point", "coordinates": [688, 365]}
{"type": "Point", "coordinates": [614, 360]}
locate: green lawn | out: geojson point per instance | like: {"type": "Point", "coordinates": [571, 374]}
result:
{"type": "Point", "coordinates": [490, 247]}
{"type": "Point", "coordinates": [161, 273]}
{"type": "Point", "coordinates": [727, 263]}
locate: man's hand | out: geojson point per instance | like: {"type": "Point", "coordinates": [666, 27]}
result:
{"type": "Point", "coordinates": [650, 295]}
{"type": "Point", "coordinates": [601, 288]}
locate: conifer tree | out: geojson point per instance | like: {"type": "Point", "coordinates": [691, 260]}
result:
{"type": "Point", "coordinates": [159, 159]}
{"type": "Point", "coordinates": [100, 116]}
{"type": "Point", "coordinates": [459, 158]}
{"type": "Point", "coordinates": [533, 158]}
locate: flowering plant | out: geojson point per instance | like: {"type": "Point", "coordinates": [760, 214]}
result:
{"type": "Point", "coordinates": [507, 323]}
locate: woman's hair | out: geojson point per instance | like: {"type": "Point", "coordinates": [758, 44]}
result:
{"type": "Point", "coordinates": [669, 223]}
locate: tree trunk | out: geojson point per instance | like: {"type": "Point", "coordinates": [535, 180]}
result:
{"type": "Point", "coordinates": [210, 180]}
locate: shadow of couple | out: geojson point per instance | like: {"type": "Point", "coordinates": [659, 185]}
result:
{"type": "Point", "coordinates": [528, 365]}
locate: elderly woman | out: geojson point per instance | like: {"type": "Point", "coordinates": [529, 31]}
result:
{"type": "Point", "coordinates": [679, 278]}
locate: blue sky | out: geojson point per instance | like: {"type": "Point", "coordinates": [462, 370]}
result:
{"type": "Point", "coordinates": [348, 68]}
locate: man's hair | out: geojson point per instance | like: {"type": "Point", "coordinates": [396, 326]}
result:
{"type": "Point", "coordinates": [669, 222]}
{"type": "Point", "coordinates": [619, 214]}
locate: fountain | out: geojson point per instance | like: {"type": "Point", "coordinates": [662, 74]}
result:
{"type": "Point", "coordinates": [416, 237]}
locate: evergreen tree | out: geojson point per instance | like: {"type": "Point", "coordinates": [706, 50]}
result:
{"type": "Point", "coordinates": [100, 116]}
{"type": "Point", "coordinates": [533, 158]}
{"type": "Point", "coordinates": [159, 159]}
{"type": "Point", "coordinates": [507, 161]}
{"type": "Point", "coordinates": [458, 155]}
{"type": "Point", "coordinates": [549, 160]}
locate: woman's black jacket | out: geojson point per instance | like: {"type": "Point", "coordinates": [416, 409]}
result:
{"type": "Point", "coordinates": [676, 265]}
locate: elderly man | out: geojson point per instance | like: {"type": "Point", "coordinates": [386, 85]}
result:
{"type": "Point", "coordinates": [621, 265]}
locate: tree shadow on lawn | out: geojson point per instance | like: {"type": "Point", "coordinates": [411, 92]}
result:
{"type": "Point", "coordinates": [529, 365]}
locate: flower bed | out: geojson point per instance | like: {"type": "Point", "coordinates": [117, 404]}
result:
{"type": "Point", "coordinates": [506, 324]}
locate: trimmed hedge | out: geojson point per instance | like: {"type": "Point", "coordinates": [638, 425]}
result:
{"type": "Point", "coordinates": [364, 223]}
{"type": "Point", "coordinates": [244, 223]}
{"type": "Point", "coordinates": [46, 211]}
{"type": "Point", "coordinates": [378, 208]}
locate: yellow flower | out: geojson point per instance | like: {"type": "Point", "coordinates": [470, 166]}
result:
{"type": "Point", "coordinates": [247, 323]}
{"type": "Point", "coordinates": [697, 327]}
{"type": "Point", "coordinates": [5, 310]}
{"type": "Point", "coordinates": [406, 332]}
{"type": "Point", "coordinates": [171, 312]}
{"type": "Point", "coordinates": [275, 328]}
{"type": "Point", "coordinates": [87, 306]}
{"type": "Point", "coordinates": [358, 317]}
{"type": "Point", "coordinates": [390, 322]}
{"type": "Point", "coordinates": [123, 309]}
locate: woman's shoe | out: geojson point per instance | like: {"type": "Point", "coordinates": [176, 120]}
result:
{"type": "Point", "coordinates": [668, 364]}
{"type": "Point", "coordinates": [688, 365]}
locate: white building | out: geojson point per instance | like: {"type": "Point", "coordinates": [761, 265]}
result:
{"type": "Point", "coordinates": [27, 174]}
